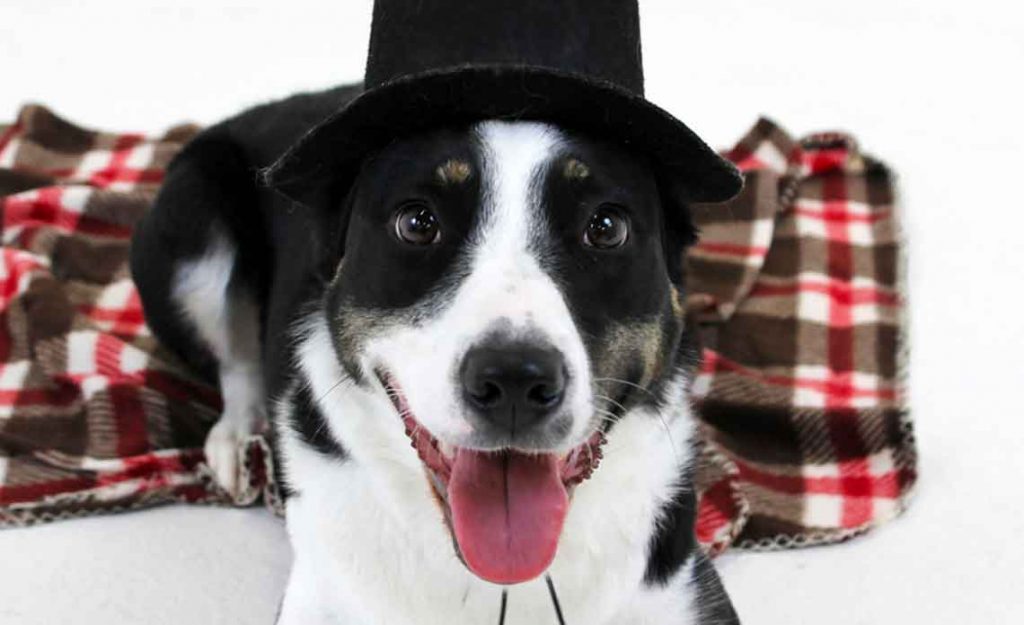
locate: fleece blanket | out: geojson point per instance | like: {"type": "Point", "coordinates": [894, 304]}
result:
{"type": "Point", "coordinates": [796, 286]}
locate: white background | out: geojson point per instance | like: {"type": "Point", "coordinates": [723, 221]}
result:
{"type": "Point", "coordinates": [933, 87]}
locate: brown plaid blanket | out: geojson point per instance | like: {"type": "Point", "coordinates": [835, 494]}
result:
{"type": "Point", "coordinates": [796, 285]}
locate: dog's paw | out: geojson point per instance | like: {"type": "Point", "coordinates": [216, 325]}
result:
{"type": "Point", "coordinates": [224, 450]}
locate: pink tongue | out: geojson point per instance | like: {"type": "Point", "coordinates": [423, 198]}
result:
{"type": "Point", "coordinates": [507, 512]}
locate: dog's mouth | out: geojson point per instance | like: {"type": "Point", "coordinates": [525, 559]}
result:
{"type": "Point", "coordinates": [505, 509]}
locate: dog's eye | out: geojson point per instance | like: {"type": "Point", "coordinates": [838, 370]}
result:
{"type": "Point", "coordinates": [608, 228]}
{"type": "Point", "coordinates": [416, 224]}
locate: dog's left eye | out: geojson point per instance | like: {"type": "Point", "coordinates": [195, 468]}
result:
{"type": "Point", "coordinates": [416, 224]}
{"type": "Point", "coordinates": [608, 228]}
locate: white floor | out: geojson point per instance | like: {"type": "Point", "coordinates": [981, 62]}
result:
{"type": "Point", "coordinates": [927, 85]}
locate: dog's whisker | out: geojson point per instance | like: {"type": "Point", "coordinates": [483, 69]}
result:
{"type": "Point", "coordinates": [661, 417]}
{"type": "Point", "coordinates": [627, 383]}
{"type": "Point", "coordinates": [611, 401]}
{"type": "Point", "coordinates": [668, 433]}
{"type": "Point", "coordinates": [333, 388]}
{"type": "Point", "coordinates": [320, 428]}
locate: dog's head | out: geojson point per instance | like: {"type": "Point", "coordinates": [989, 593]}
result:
{"type": "Point", "coordinates": [515, 289]}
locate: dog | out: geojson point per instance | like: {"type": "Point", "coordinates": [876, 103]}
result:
{"type": "Point", "coordinates": [474, 368]}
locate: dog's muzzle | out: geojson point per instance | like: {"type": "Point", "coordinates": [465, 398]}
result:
{"type": "Point", "coordinates": [505, 506]}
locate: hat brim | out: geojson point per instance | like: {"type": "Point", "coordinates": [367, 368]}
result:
{"type": "Point", "coordinates": [331, 153]}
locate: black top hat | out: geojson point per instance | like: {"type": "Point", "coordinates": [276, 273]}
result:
{"type": "Point", "coordinates": [576, 63]}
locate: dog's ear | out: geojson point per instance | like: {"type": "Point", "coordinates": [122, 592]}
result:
{"type": "Point", "coordinates": [680, 231]}
{"type": "Point", "coordinates": [308, 175]}
{"type": "Point", "coordinates": [320, 195]}
{"type": "Point", "coordinates": [683, 215]}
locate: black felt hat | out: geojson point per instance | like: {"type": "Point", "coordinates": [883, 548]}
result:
{"type": "Point", "coordinates": [434, 63]}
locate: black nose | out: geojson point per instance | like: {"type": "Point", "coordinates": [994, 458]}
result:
{"type": "Point", "coordinates": [513, 387]}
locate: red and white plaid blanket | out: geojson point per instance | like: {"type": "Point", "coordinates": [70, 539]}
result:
{"type": "Point", "coordinates": [796, 286]}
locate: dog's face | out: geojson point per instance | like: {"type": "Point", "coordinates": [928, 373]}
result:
{"type": "Point", "coordinates": [512, 288]}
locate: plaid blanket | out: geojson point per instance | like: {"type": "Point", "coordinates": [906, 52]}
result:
{"type": "Point", "coordinates": [805, 435]}
{"type": "Point", "coordinates": [798, 288]}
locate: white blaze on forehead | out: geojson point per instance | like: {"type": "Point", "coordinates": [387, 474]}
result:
{"type": "Point", "coordinates": [507, 283]}
{"type": "Point", "coordinates": [515, 156]}
{"type": "Point", "coordinates": [506, 289]}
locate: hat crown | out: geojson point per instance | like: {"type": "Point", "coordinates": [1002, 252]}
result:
{"type": "Point", "coordinates": [599, 39]}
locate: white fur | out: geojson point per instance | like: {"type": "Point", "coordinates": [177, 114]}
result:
{"type": "Point", "coordinates": [228, 323]}
{"type": "Point", "coordinates": [369, 538]}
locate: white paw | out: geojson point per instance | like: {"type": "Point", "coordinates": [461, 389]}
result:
{"type": "Point", "coordinates": [224, 450]}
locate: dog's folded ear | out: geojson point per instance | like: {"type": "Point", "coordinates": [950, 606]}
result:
{"type": "Point", "coordinates": [312, 183]}
{"type": "Point", "coordinates": [323, 197]}
{"type": "Point", "coordinates": [680, 231]}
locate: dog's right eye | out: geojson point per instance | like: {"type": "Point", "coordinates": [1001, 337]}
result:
{"type": "Point", "coordinates": [416, 224]}
{"type": "Point", "coordinates": [608, 228]}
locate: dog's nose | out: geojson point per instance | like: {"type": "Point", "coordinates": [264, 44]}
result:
{"type": "Point", "coordinates": [514, 387]}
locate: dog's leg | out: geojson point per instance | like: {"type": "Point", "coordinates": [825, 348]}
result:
{"type": "Point", "coordinates": [226, 317]}
{"type": "Point", "coordinates": [198, 258]}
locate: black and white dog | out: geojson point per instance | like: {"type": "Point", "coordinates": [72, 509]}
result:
{"type": "Point", "coordinates": [506, 297]}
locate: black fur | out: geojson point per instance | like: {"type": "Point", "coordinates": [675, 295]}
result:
{"type": "Point", "coordinates": [674, 541]}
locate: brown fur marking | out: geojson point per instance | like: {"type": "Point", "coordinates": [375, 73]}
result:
{"type": "Point", "coordinates": [454, 171]}
{"type": "Point", "coordinates": [576, 169]}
